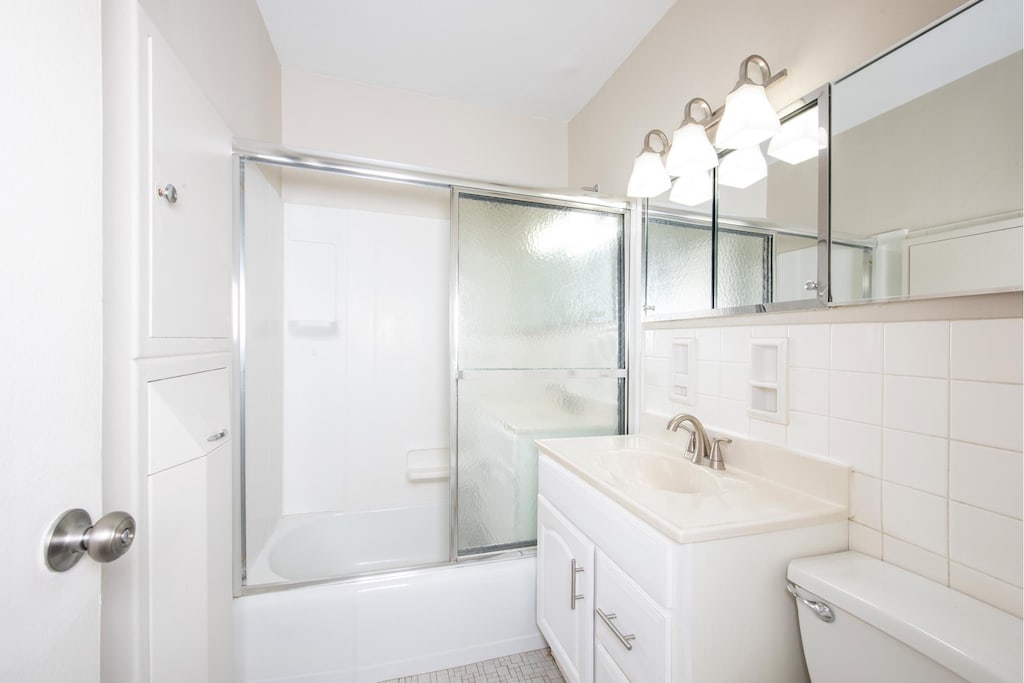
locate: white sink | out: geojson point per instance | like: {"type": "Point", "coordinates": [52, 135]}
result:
{"type": "Point", "coordinates": [764, 488]}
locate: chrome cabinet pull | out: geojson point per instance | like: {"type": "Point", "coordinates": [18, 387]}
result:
{"type": "Point", "coordinates": [820, 609]}
{"type": "Point", "coordinates": [623, 638]}
{"type": "Point", "coordinates": [168, 192]}
{"type": "Point", "coordinates": [218, 436]}
{"type": "Point", "coordinates": [573, 571]}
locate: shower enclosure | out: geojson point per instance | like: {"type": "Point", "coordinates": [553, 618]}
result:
{"type": "Point", "coordinates": [402, 340]}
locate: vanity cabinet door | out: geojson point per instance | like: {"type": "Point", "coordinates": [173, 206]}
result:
{"type": "Point", "coordinates": [565, 592]}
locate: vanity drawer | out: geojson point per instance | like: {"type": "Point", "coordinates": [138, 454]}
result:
{"type": "Point", "coordinates": [647, 658]}
{"type": "Point", "coordinates": [188, 417]}
{"type": "Point", "coordinates": [605, 668]}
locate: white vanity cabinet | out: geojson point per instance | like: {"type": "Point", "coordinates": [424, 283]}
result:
{"type": "Point", "coordinates": [565, 591]}
{"type": "Point", "coordinates": [657, 610]}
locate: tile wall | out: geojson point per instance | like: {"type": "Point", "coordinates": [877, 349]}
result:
{"type": "Point", "coordinates": [928, 415]}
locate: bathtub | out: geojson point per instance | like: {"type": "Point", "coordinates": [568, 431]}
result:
{"type": "Point", "coordinates": [370, 629]}
{"type": "Point", "coordinates": [326, 545]}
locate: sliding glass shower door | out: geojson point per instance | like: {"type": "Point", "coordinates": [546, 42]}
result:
{"type": "Point", "coordinates": [538, 320]}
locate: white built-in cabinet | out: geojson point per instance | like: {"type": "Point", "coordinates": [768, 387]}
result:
{"type": "Point", "coordinates": [168, 441]}
{"type": "Point", "coordinates": [645, 609]}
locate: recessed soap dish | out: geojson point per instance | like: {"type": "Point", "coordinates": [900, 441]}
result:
{"type": "Point", "coordinates": [768, 380]}
{"type": "Point", "coordinates": [683, 383]}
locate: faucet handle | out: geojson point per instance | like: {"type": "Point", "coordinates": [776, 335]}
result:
{"type": "Point", "coordinates": [717, 463]}
{"type": "Point", "coordinates": [692, 446]}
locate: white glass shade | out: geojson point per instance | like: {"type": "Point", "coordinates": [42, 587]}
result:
{"type": "Point", "coordinates": [742, 168]}
{"type": "Point", "coordinates": [691, 151]}
{"type": "Point", "coordinates": [649, 178]}
{"type": "Point", "coordinates": [692, 188]}
{"type": "Point", "coordinates": [799, 139]}
{"type": "Point", "coordinates": [748, 119]}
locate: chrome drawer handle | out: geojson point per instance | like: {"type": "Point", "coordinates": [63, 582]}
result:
{"type": "Point", "coordinates": [820, 609]}
{"type": "Point", "coordinates": [218, 436]}
{"type": "Point", "coordinates": [573, 571]}
{"type": "Point", "coordinates": [624, 639]}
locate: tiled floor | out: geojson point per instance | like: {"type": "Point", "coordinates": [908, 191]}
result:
{"type": "Point", "coordinates": [526, 666]}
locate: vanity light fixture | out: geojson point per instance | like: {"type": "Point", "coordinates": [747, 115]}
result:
{"type": "Point", "coordinates": [799, 139]}
{"type": "Point", "coordinates": [749, 118]}
{"type": "Point", "coordinates": [692, 188]}
{"type": "Point", "coordinates": [649, 177]}
{"type": "Point", "coordinates": [742, 167]}
{"type": "Point", "coordinates": [691, 149]}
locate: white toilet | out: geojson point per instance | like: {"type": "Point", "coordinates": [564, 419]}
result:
{"type": "Point", "coordinates": [865, 620]}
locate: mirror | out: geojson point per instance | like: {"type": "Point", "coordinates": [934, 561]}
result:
{"type": "Point", "coordinates": [926, 163]}
{"type": "Point", "coordinates": [764, 241]}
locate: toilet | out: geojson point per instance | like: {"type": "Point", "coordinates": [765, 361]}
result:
{"type": "Point", "coordinates": [865, 620]}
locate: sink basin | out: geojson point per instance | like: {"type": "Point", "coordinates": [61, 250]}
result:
{"type": "Point", "coordinates": [653, 469]}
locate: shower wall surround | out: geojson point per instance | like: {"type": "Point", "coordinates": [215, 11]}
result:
{"type": "Point", "coordinates": [928, 414]}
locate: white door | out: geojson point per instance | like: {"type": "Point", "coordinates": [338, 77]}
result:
{"type": "Point", "coordinates": [51, 264]}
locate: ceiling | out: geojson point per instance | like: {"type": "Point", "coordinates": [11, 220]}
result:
{"type": "Point", "coordinates": [542, 58]}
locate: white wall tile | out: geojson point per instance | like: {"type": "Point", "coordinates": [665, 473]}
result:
{"type": "Point", "coordinates": [736, 381]}
{"type": "Point", "coordinates": [866, 500]}
{"type": "Point", "coordinates": [709, 343]}
{"type": "Point", "coordinates": [915, 517]}
{"type": "Point", "coordinates": [769, 331]}
{"type": "Point", "coordinates": [663, 343]}
{"type": "Point", "coordinates": [914, 559]}
{"type": "Point", "coordinates": [709, 410]}
{"type": "Point", "coordinates": [985, 413]}
{"type": "Point", "coordinates": [734, 416]}
{"type": "Point", "coordinates": [915, 460]}
{"type": "Point", "coordinates": [648, 343]}
{"type": "Point", "coordinates": [809, 346]}
{"type": "Point", "coordinates": [656, 400]}
{"type": "Point", "coordinates": [656, 371]}
{"type": "Point", "coordinates": [917, 404]}
{"type": "Point", "coordinates": [987, 542]}
{"type": "Point", "coordinates": [857, 444]}
{"type": "Point", "coordinates": [709, 377]}
{"type": "Point", "coordinates": [736, 344]}
{"type": "Point", "coordinates": [856, 396]}
{"type": "Point", "coordinates": [857, 347]}
{"type": "Point", "coordinates": [987, 478]}
{"type": "Point", "coordinates": [808, 390]}
{"type": "Point", "coordinates": [920, 349]}
{"type": "Point", "coordinates": [769, 432]}
{"type": "Point", "coordinates": [807, 433]}
{"type": "Point", "coordinates": [997, 593]}
{"type": "Point", "coordinates": [865, 540]}
{"type": "Point", "coordinates": [987, 350]}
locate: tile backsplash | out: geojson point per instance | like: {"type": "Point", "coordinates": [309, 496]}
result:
{"type": "Point", "coordinates": [928, 415]}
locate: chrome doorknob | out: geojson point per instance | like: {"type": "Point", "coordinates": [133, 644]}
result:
{"type": "Point", "coordinates": [74, 535]}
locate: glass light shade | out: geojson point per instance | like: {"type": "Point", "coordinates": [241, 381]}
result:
{"type": "Point", "coordinates": [799, 139]}
{"type": "Point", "coordinates": [691, 151]}
{"type": "Point", "coordinates": [748, 119]}
{"type": "Point", "coordinates": [692, 188]}
{"type": "Point", "coordinates": [742, 168]}
{"type": "Point", "coordinates": [649, 178]}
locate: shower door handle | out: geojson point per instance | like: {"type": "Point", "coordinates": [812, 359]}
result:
{"type": "Point", "coordinates": [574, 570]}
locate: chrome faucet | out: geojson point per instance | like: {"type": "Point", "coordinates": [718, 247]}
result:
{"type": "Point", "coordinates": [701, 445]}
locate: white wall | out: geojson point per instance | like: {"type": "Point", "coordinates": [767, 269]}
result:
{"type": "Point", "coordinates": [928, 414]}
{"type": "Point", "coordinates": [51, 301]}
{"type": "Point", "coordinates": [354, 119]}
{"type": "Point", "coordinates": [695, 51]}
{"type": "Point", "coordinates": [227, 50]}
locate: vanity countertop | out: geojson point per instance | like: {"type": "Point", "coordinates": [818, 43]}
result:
{"type": "Point", "coordinates": [690, 503]}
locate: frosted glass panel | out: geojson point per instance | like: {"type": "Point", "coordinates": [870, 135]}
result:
{"type": "Point", "coordinates": [500, 416]}
{"type": "Point", "coordinates": [743, 268]}
{"type": "Point", "coordinates": [539, 286]}
{"type": "Point", "coordinates": [678, 267]}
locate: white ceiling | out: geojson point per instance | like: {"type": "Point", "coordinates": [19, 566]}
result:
{"type": "Point", "coordinates": [543, 58]}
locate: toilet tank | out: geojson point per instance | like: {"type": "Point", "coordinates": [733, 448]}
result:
{"type": "Point", "coordinates": [891, 625]}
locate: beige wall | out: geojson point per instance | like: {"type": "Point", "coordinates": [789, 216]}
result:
{"type": "Point", "coordinates": [354, 119]}
{"type": "Point", "coordinates": [695, 51]}
{"type": "Point", "coordinates": [227, 50]}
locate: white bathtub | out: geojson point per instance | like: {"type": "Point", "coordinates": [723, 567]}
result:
{"type": "Point", "coordinates": [327, 545]}
{"type": "Point", "coordinates": [370, 629]}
